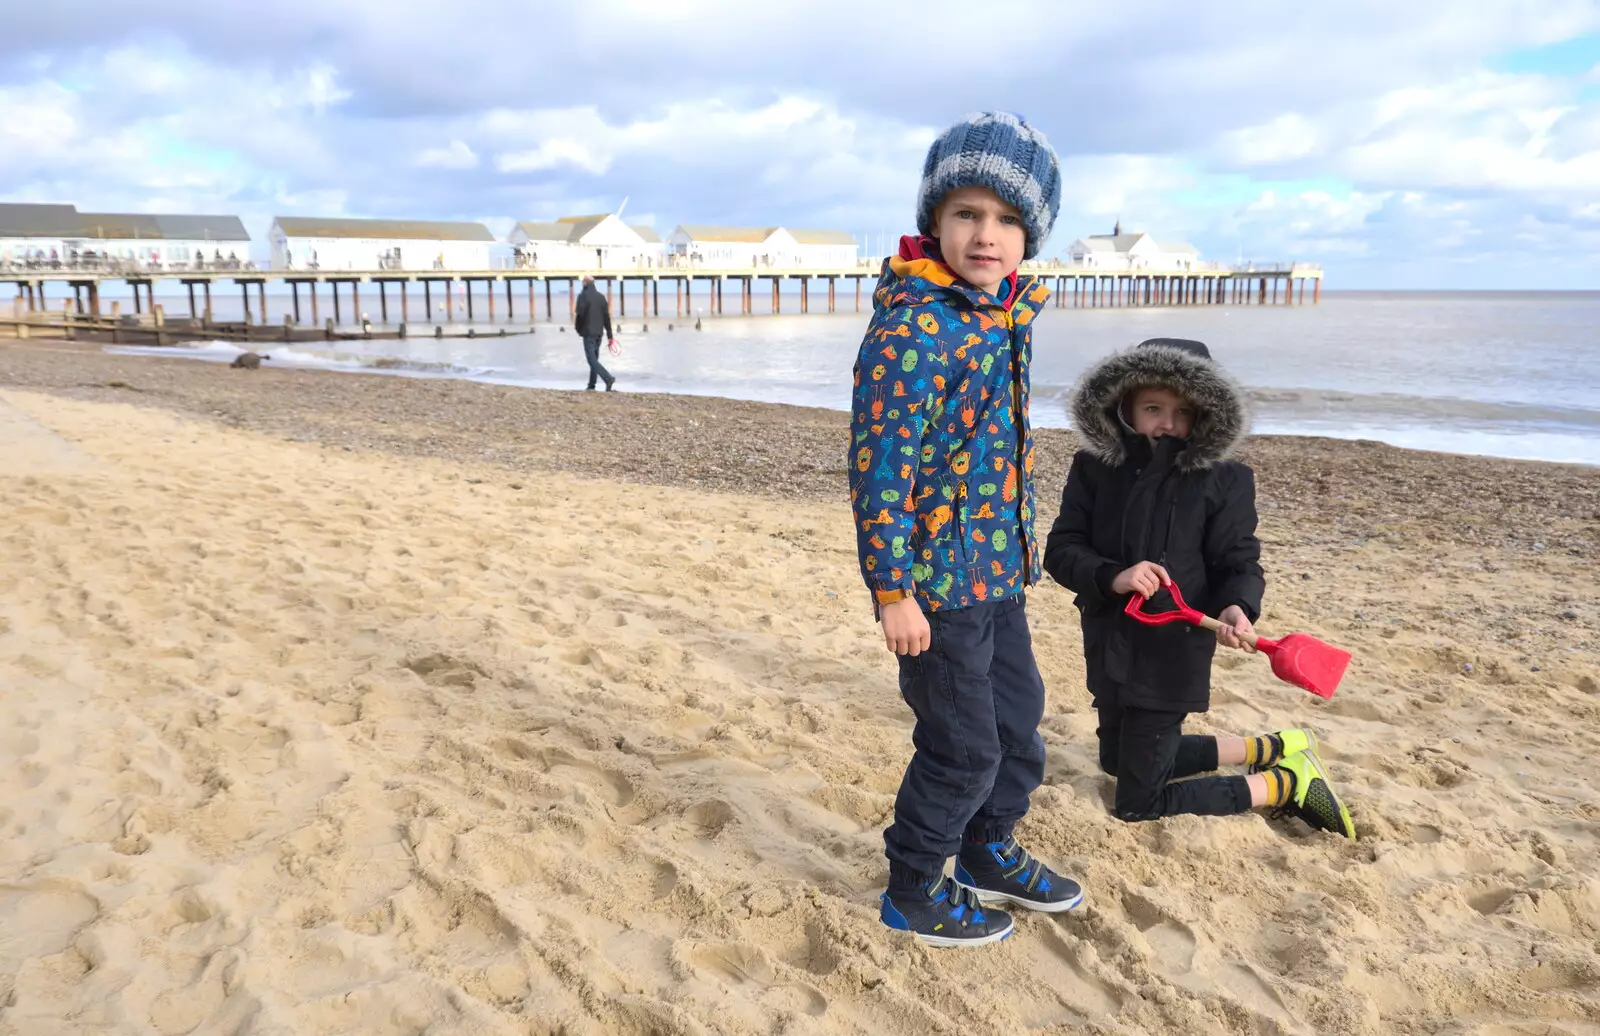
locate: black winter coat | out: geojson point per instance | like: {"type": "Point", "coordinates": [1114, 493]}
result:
{"type": "Point", "coordinates": [591, 317]}
{"type": "Point", "coordinates": [1180, 505]}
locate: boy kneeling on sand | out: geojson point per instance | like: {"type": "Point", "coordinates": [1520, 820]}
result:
{"type": "Point", "coordinates": [941, 486]}
{"type": "Point", "coordinates": [1153, 499]}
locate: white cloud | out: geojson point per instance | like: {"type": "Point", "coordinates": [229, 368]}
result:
{"type": "Point", "coordinates": [457, 156]}
{"type": "Point", "coordinates": [551, 155]}
{"type": "Point", "coordinates": [1286, 138]}
{"type": "Point", "coordinates": [301, 110]}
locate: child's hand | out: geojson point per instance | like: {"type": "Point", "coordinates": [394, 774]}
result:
{"type": "Point", "coordinates": [905, 628]}
{"type": "Point", "coordinates": [1234, 622]}
{"type": "Point", "coordinates": [1146, 578]}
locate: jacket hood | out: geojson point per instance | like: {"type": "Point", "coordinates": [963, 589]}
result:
{"type": "Point", "coordinates": [1221, 419]}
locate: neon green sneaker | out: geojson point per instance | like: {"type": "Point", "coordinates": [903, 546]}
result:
{"type": "Point", "coordinates": [1312, 798]}
{"type": "Point", "coordinates": [1291, 741]}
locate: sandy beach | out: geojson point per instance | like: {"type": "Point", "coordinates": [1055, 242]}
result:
{"type": "Point", "coordinates": [365, 704]}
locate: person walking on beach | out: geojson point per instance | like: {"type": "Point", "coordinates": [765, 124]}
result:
{"type": "Point", "coordinates": [592, 319]}
{"type": "Point", "coordinates": [941, 489]}
{"type": "Point", "coordinates": [1150, 501]}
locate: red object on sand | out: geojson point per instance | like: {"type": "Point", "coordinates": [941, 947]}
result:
{"type": "Point", "coordinates": [1298, 658]}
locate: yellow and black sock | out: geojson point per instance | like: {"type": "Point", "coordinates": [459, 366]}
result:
{"type": "Point", "coordinates": [1265, 750]}
{"type": "Point", "coordinates": [1280, 785]}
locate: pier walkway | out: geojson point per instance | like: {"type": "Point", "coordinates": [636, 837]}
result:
{"type": "Point", "coordinates": [694, 290]}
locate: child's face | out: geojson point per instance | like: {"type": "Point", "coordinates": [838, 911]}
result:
{"type": "Point", "coordinates": [1159, 411]}
{"type": "Point", "coordinates": [980, 236]}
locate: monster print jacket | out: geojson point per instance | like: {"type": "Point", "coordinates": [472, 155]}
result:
{"type": "Point", "coordinates": [941, 457]}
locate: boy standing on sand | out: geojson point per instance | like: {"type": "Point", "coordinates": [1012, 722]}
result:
{"type": "Point", "coordinates": [941, 487]}
{"type": "Point", "coordinates": [1153, 499]}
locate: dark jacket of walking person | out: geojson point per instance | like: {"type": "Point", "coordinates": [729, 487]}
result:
{"type": "Point", "coordinates": [592, 320]}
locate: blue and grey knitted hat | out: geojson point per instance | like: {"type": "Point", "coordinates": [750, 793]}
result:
{"type": "Point", "coordinates": [1000, 151]}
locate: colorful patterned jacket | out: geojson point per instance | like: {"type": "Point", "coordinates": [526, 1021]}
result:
{"type": "Point", "coordinates": [941, 463]}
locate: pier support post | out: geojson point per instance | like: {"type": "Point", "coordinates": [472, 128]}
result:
{"type": "Point", "coordinates": [355, 301]}
{"type": "Point", "coordinates": [572, 297]}
{"type": "Point", "coordinates": [677, 296]}
{"type": "Point", "coordinates": [805, 294]}
{"type": "Point", "coordinates": [858, 294]}
{"type": "Point", "coordinates": [488, 291]}
{"type": "Point", "coordinates": [405, 302]}
{"type": "Point", "coordinates": [427, 302]}
{"type": "Point", "coordinates": [511, 310]}
{"type": "Point", "coordinates": [830, 295]}
{"type": "Point", "coordinates": [1316, 291]}
{"type": "Point", "coordinates": [655, 296]}
{"type": "Point", "coordinates": [383, 302]}
{"type": "Point", "coordinates": [192, 312]}
{"type": "Point", "coordinates": [294, 290]}
{"type": "Point", "coordinates": [261, 297]}
{"type": "Point", "coordinates": [338, 317]}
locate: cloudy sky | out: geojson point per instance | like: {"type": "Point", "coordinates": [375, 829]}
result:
{"type": "Point", "coordinates": [1415, 144]}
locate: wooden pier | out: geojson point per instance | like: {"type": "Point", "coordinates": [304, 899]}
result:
{"type": "Point", "coordinates": [694, 291]}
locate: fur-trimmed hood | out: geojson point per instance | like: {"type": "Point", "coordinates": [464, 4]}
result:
{"type": "Point", "coordinates": [1221, 419]}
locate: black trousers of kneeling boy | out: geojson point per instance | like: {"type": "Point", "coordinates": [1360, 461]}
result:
{"type": "Point", "coordinates": [1148, 753]}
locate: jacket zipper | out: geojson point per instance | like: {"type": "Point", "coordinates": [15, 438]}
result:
{"type": "Point", "coordinates": [1166, 540]}
{"type": "Point", "coordinates": [1022, 474]}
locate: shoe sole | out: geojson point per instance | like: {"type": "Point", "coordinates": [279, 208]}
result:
{"type": "Point", "coordinates": [988, 898]}
{"type": "Point", "coordinates": [944, 942]}
{"type": "Point", "coordinates": [1344, 811]}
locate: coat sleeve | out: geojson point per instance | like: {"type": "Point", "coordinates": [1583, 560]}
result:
{"type": "Point", "coordinates": [1069, 554]}
{"type": "Point", "coordinates": [1232, 551]}
{"type": "Point", "coordinates": [895, 387]}
{"type": "Point", "coordinates": [605, 311]}
{"type": "Point", "coordinates": [579, 312]}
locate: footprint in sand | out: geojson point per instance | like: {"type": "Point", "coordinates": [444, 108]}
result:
{"type": "Point", "coordinates": [612, 787]}
{"type": "Point", "coordinates": [443, 670]}
{"type": "Point", "coordinates": [1079, 989]}
{"type": "Point", "coordinates": [739, 966]}
{"type": "Point", "coordinates": [40, 919]}
{"type": "Point", "coordinates": [1173, 941]}
{"type": "Point", "coordinates": [710, 817]}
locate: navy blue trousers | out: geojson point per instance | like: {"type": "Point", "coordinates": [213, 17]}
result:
{"type": "Point", "coordinates": [978, 699]}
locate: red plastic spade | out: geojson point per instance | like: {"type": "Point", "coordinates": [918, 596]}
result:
{"type": "Point", "coordinates": [1298, 658]}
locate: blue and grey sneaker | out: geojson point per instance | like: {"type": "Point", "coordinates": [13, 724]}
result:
{"type": "Point", "coordinates": [1003, 872]}
{"type": "Point", "coordinates": [945, 914]}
